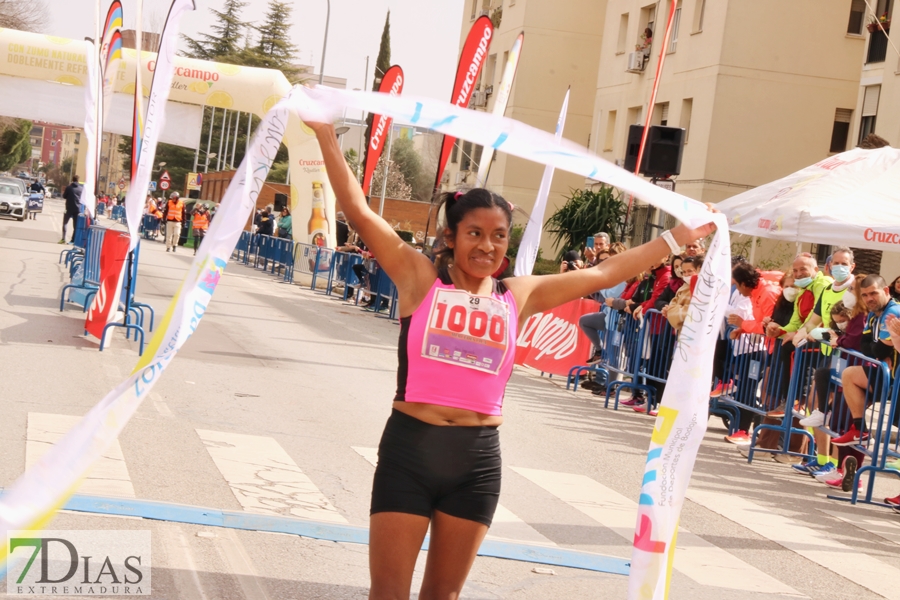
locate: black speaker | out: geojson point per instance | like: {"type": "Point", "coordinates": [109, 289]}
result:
{"type": "Point", "coordinates": [281, 200]}
{"type": "Point", "coordinates": [662, 154]}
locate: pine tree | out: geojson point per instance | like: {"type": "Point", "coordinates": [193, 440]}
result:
{"type": "Point", "coordinates": [274, 49]}
{"type": "Point", "coordinates": [226, 33]}
{"type": "Point", "coordinates": [382, 64]}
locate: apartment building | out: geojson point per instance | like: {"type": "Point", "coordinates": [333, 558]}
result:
{"type": "Point", "coordinates": [561, 49]}
{"type": "Point", "coordinates": [760, 87]}
{"type": "Point", "coordinates": [74, 147]}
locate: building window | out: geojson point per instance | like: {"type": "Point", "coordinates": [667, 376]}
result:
{"type": "Point", "coordinates": [52, 143]}
{"type": "Point", "coordinates": [476, 156]}
{"type": "Point", "coordinates": [648, 16]}
{"type": "Point", "coordinates": [687, 108]}
{"type": "Point", "coordinates": [54, 134]}
{"type": "Point", "coordinates": [465, 161]}
{"type": "Point", "coordinates": [676, 24]}
{"type": "Point", "coordinates": [474, 9]}
{"type": "Point", "coordinates": [869, 111]}
{"type": "Point", "coordinates": [77, 138]}
{"type": "Point", "coordinates": [699, 10]}
{"type": "Point", "coordinates": [610, 131]}
{"type": "Point", "coordinates": [841, 129]}
{"type": "Point", "coordinates": [622, 42]}
{"type": "Point", "coordinates": [492, 69]}
{"type": "Point", "coordinates": [454, 153]}
{"type": "Point", "coordinates": [661, 114]}
{"type": "Point", "coordinates": [857, 17]}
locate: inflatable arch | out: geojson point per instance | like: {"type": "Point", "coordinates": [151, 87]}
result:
{"type": "Point", "coordinates": [42, 78]}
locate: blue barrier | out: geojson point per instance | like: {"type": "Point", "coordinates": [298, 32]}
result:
{"type": "Point", "coordinates": [149, 226]}
{"type": "Point", "coordinates": [311, 260]}
{"type": "Point", "coordinates": [91, 266]}
{"type": "Point", "coordinates": [101, 209]}
{"type": "Point", "coordinates": [752, 377]}
{"type": "Point", "coordinates": [624, 342]}
{"type": "Point", "coordinates": [341, 272]}
{"type": "Point", "coordinates": [384, 290]}
{"type": "Point", "coordinates": [657, 348]}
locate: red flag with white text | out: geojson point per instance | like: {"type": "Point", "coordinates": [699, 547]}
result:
{"type": "Point", "coordinates": [552, 342]}
{"type": "Point", "coordinates": [112, 267]}
{"type": "Point", "coordinates": [391, 83]}
{"type": "Point", "coordinates": [474, 53]}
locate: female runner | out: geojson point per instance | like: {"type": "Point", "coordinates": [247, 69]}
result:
{"type": "Point", "coordinates": [439, 456]}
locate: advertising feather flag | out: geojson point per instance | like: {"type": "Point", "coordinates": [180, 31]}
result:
{"type": "Point", "coordinates": [146, 131]}
{"type": "Point", "coordinates": [391, 83]}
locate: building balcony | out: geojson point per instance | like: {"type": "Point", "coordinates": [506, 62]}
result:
{"type": "Point", "coordinates": [878, 45]}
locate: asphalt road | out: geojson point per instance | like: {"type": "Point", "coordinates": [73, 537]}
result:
{"type": "Point", "coordinates": [276, 403]}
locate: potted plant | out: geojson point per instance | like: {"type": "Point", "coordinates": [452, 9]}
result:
{"type": "Point", "coordinates": [876, 24]}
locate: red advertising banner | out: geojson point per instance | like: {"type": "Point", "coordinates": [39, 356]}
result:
{"type": "Point", "coordinates": [471, 60]}
{"type": "Point", "coordinates": [552, 342]}
{"type": "Point", "coordinates": [391, 83]}
{"type": "Point", "coordinates": [106, 300]}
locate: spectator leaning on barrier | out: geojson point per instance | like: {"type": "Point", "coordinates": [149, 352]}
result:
{"type": "Point", "coordinates": [878, 342]}
{"type": "Point", "coordinates": [284, 223]}
{"type": "Point", "coordinates": [266, 222]}
{"type": "Point", "coordinates": [199, 223]}
{"type": "Point", "coordinates": [660, 275]}
{"type": "Point", "coordinates": [175, 216]}
{"type": "Point", "coordinates": [812, 283]}
{"type": "Point", "coordinates": [72, 196]}
{"type": "Point", "coordinates": [842, 266]}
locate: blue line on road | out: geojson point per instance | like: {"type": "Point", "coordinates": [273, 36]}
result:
{"type": "Point", "coordinates": [196, 515]}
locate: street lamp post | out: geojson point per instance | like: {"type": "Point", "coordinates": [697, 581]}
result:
{"type": "Point", "coordinates": [325, 43]}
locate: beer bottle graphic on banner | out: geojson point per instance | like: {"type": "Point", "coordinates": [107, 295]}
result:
{"type": "Point", "coordinates": [318, 221]}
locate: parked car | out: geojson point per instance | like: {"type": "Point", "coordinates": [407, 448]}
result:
{"type": "Point", "coordinates": [17, 182]}
{"type": "Point", "coordinates": [12, 201]}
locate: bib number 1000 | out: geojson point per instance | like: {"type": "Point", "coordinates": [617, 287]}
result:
{"type": "Point", "coordinates": [473, 322]}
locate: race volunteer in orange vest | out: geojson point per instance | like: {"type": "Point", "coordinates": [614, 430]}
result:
{"type": "Point", "coordinates": [200, 224]}
{"type": "Point", "coordinates": [174, 218]}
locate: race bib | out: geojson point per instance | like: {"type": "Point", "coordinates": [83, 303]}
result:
{"type": "Point", "coordinates": [468, 331]}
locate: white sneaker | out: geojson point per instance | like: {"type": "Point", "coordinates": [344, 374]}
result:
{"type": "Point", "coordinates": [816, 419]}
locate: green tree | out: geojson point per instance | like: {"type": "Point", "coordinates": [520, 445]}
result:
{"type": "Point", "coordinates": [382, 64]}
{"type": "Point", "coordinates": [179, 162]}
{"type": "Point", "coordinates": [226, 31]}
{"type": "Point", "coordinates": [274, 49]}
{"type": "Point", "coordinates": [585, 213]}
{"type": "Point", "coordinates": [15, 144]}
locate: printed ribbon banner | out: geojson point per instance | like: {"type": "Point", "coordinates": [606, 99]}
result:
{"type": "Point", "coordinates": [552, 342]}
{"type": "Point", "coordinates": [391, 83]}
{"type": "Point", "coordinates": [88, 197]}
{"type": "Point", "coordinates": [682, 419]}
{"type": "Point", "coordinates": [146, 133]}
{"type": "Point", "coordinates": [501, 100]}
{"type": "Point", "coordinates": [110, 54]}
{"type": "Point", "coordinates": [531, 239]}
{"type": "Point", "coordinates": [44, 488]}
{"type": "Point", "coordinates": [471, 60]}
{"type": "Point", "coordinates": [112, 268]}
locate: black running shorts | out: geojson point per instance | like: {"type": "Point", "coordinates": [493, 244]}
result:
{"type": "Point", "coordinates": [423, 468]}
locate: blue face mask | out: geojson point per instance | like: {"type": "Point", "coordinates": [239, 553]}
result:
{"type": "Point", "coordinates": [840, 272]}
{"type": "Point", "coordinates": [802, 283]}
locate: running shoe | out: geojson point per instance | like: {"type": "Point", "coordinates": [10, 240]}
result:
{"type": "Point", "coordinates": [722, 389]}
{"type": "Point", "coordinates": [653, 413]}
{"type": "Point", "coordinates": [895, 501]}
{"type": "Point", "coordinates": [894, 464]}
{"type": "Point", "coordinates": [816, 419]}
{"type": "Point", "coordinates": [851, 438]}
{"type": "Point", "coordinates": [850, 465]}
{"type": "Point", "coordinates": [807, 467]}
{"type": "Point", "coordinates": [778, 412]}
{"type": "Point", "coordinates": [640, 408]}
{"type": "Point", "coordinates": [825, 472]}
{"type": "Point", "coordinates": [599, 389]}
{"type": "Point", "coordinates": [838, 482]}
{"type": "Point", "coordinates": [629, 402]}
{"type": "Point", "coordinates": [740, 437]}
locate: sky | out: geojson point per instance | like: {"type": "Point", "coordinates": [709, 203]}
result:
{"type": "Point", "coordinates": [424, 34]}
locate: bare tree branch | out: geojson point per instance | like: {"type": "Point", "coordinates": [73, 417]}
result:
{"type": "Point", "coordinates": [24, 15]}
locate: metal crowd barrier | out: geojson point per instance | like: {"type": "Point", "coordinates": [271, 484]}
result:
{"type": "Point", "coordinates": [149, 226]}
{"type": "Point", "coordinates": [91, 266]}
{"type": "Point", "coordinates": [656, 352]}
{"type": "Point", "coordinates": [342, 273]}
{"type": "Point", "coordinates": [101, 209]}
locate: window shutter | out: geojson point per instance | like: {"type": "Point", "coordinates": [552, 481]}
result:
{"type": "Point", "coordinates": [870, 101]}
{"type": "Point", "coordinates": [842, 115]}
{"type": "Point", "coordinates": [665, 112]}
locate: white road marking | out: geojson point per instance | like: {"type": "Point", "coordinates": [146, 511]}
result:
{"type": "Point", "coordinates": [505, 526]}
{"type": "Point", "coordinates": [180, 561]}
{"type": "Point", "coordinates": [700, 560]}
{"type": "Point", "coordinates": [846, 561]}
{"type": "Point", "coordinates": [234, 553]}
{"type": "Point", "coordinates": [265, 479]}
{"type": "Point", "coordinates": [888, 529]}
{"type": "Point", "coordinates": [107, 477]}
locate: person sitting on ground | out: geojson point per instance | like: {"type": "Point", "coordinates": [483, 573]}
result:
{"type": "Point", "coordinates": [878, 342]}
{"type": "Point", "coordinates": [846, 332]}
{"type": "Point", "coordinates": [677, 310]}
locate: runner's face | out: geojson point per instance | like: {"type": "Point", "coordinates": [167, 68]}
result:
{"type": "Point", "coordinates": [482, 238]}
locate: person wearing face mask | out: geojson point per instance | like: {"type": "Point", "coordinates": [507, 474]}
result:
{"type": "Point", "coordinates": [675, 284]}
{"type": "Point", "coordinates": [842, 266]}
{"type": "Point", "coordinates": [847, 332]}
{"type": "Point", "coordinates": [812, 283]}
{"type": "Point", "coordinates": [677, 310]}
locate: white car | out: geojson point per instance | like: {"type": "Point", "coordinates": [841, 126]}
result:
{"type": "Point", "coordinates": [12, 202]}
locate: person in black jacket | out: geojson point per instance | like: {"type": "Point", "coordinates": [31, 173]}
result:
{"type": "Point", "coordinates": [72, 196]}
{"type": "Point", "coordinates": [266, 222]}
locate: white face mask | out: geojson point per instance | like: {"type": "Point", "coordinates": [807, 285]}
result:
{"type": "Point", "coordinates": [849, 299]}
{"type": "Point", "coordinates": [841, 326]}
{"type": "Point", "coordinates": [790, 294]}
{"type": "Point", "coordinates": [678, 273]}
{"type": "Point", "coordinates": [688, 279]}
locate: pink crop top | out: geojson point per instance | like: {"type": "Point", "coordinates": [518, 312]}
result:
{"type": "Point", "coordinates": [457, 349]}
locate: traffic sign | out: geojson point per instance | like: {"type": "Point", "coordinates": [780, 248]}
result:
{"type": "Point", "coordinates": [165, 176]}
{"type": "Point", "coordinates": [163, 184]}
{"type": "Point", "coordinates": [152, 186]}
{"type": "Point", "coordinates": [122, 184]}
